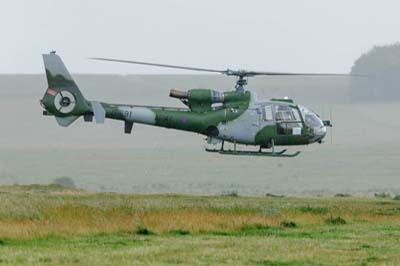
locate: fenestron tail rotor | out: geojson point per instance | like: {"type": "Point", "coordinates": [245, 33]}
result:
{"type": "Point", "coordinates": [241, 74]}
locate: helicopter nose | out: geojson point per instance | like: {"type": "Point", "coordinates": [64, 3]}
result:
{"type": "Point", "coordinates": [320, 134]}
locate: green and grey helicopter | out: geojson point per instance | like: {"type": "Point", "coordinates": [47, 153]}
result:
{"type": "Point", "coordinates": [234, 116]}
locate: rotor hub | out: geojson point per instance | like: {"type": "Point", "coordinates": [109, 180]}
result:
{"type": "Point", "coordinates": [240, 83]}
{"type": "Point", "coordinates": [65, 101]}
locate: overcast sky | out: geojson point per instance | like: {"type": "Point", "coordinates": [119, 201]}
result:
{"type": "Point", "coordinates": [279, 35]}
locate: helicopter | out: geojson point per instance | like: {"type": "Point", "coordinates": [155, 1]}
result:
{"type": "Point", "coordinates": [235, 116]}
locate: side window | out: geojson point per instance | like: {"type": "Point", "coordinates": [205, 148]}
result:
{"type": "Point", "coordinates": [288, 120]}
{"type": "Point", "coordinates": [268, 113]}
{"type": "Point", "coordinates": [285, 113]}
{"type": "Point", "coordinates": [296, 114]}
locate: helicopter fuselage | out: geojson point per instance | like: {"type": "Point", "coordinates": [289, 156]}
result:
{"type": "Point", "coordinates": [233, 116]}
{"type": "Point", "coordinates": [246, 121]}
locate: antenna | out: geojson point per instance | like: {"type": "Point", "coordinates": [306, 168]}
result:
{"type": "Point", "coordinates": [330, 118]}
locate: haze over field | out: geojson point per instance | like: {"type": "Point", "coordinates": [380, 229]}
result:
{"type": "Point", "coordinates": [363, 158]}
{"type": "Point", "coordinates": [260, 35]}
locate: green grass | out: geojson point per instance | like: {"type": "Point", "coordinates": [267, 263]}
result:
{"type": "Point", "coordinates": [53, 225]}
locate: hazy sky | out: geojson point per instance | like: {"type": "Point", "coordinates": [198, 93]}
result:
{"type": "Point", "coordinates": [279, 35]}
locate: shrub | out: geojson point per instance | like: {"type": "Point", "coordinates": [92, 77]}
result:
{"type": "Point", "coordinates": [269, 195]}
{"type": "Point", "coordinates": [180, 232]}
{"type": "Point", "coordinates": [254, 227]}
{"type": "Point", "coordinates": [342, 195]}
{"type": "Point", "coordinates": [288, 224]}
{"type": "Point", "coordinates": [316, 210]}
{"type": "Point", "coordinates": [143, 230]}
{"type": "Point", "coordinates": [45, 260]}
{"type": "Point", "coordinates": [335, 220]}
{"type": "Point", "coordinates": [230, 194]}
{"type": "Point", "coordinates": [397, 197]}
{"type": "Point", "coordinates": [64, 181]}
{"type": "Point", "coordinates": [382, 195]}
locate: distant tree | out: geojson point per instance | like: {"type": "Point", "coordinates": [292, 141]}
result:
{"type": "Point", "coordinates": [64, 181]}
{"type": "Point", "coordinates": [381, 66]}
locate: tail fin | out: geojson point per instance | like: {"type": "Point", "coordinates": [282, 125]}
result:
{"type": "Point", "coordinates": [63, 98]}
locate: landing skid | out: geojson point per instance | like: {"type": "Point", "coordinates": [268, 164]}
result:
{"type": "Point", "coordinates": [254, 153]}
{"type": "Point", "coordinates": [272, 153]}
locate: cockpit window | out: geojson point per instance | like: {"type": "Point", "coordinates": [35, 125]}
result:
{"type": "Point", "coordinates": [288, 120]}
{"type": "Point", "coordinates": [310, 118]}
{"type": "Point", "coordinates": [313, 122]}
{"type": "Point", "coordinates": [285, 113]}
{"type": "Point", "coordinates": [268, 113]}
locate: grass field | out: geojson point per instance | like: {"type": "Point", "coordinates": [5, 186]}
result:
{"type": "Point", "coordinates": [53, 225]}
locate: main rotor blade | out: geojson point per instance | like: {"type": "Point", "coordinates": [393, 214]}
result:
{"type": "Point", "coordinates": [228, 72]}
{"type": "Point", "coordinates": [254, 73]}
{"type": "Point", "coordinates": [160, 65]}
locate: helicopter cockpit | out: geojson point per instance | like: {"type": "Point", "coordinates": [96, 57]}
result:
{"type": "Point", "coordinates": [288, 120]}
{"type": "Point", "coordinates": [314, 122]}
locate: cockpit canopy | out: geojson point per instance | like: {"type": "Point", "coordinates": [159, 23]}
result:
{"type": "Point", "coordinates": [289, 120]}
{"type": "Point", "coordinates": [311, 119]}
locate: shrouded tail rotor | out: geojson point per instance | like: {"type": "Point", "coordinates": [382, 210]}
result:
{"type": "Point", "coordinates": [63, 98]}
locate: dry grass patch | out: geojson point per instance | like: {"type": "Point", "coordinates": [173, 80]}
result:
{"type": "Point", "coordinates": [37, 211]}
{"type": "Point", "coordinates": [55, 225]}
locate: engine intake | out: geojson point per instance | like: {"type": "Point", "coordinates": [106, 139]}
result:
{"type": "Point", "coordinates": [198, 99]}
{"type": "Point", "coordinates": [198, 95]}
{"type": "Point", "coordinates": [178, 94]}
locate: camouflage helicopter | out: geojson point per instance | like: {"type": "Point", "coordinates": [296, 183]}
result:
{"type": "Point", "coordinates": [234, 116]}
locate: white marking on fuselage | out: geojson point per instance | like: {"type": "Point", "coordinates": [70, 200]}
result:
{"type": "Point", "coordinates": [244, 128]}
{"type": "Point", "coordinates": [142, 115]}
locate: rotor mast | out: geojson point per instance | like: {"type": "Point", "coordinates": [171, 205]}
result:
{"type": "Point", "coordinates": [240, 83]}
